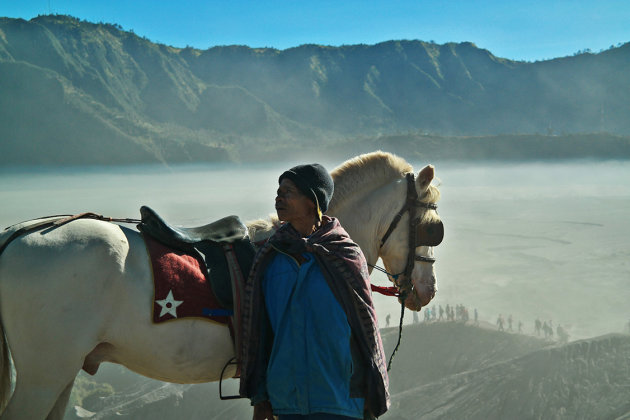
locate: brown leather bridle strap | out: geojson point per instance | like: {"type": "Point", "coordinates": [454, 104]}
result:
{"type": "Point", "coordinates": [411, 204]}
{"type": "Point", "coordinates": [412, 198]}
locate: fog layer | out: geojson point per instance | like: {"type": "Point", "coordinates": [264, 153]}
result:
{"type": "Point", "coordinates": [545, 241]}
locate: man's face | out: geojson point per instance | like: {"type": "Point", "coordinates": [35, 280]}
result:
{"type": "Point", "coordinates": [292, 205]}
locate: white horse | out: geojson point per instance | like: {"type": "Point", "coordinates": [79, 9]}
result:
{"type": "Point", "coordinates": [81, 294]}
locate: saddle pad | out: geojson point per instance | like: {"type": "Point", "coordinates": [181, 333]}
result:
{"type": "Point", "coordinates": [181, 289]}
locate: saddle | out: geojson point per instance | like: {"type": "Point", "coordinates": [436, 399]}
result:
{"type": "Point", "coordinates": [229, 229]}
{"type": "Point", "coordinates": [223, 246]}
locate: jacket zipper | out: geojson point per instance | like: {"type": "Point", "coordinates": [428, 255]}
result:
{"type": "Point", "coordinates": [288, 255]}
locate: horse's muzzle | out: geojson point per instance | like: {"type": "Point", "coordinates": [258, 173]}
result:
{"type": "Point", "coordinates": [422, 296]}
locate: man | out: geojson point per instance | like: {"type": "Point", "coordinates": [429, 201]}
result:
{"type": "Point", "coordinates": [311, 348]}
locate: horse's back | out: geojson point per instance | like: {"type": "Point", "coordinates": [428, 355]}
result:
{"type": "Point", "coordinates": [64, 253]}
{"type": "Point", "coordinates": [63, 278]}
{"type": "Point", "coordinates": [16, 230]}
{"type": "Point", "coordinates": [57, 289]}
{"type": "Point", "coordinates": [81, 232]}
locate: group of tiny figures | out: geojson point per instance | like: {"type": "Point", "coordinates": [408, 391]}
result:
{"type": "Point", "coordinates": [460, 313]}
{"type": "Point", "coordinates": [450, 313]}
{"type": "Point", "coordinates": [544, 327]}
{"type": "Point", "coordinates": [439, 313]}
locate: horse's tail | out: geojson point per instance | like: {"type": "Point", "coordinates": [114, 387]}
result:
{"type": "Point", "coordinates": [6, 236]}
{"type": "Point", "coordinates": [5, 370]}
{"type": "Point", "coordinates": [5, 358]}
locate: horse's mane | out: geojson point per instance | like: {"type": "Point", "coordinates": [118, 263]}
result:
{"type": "Point", "coordinates": [261, 229]}
{"type": "Point", "coordinates": [353, 177]}
{"type": "Point", "coordinates": [370, 170]}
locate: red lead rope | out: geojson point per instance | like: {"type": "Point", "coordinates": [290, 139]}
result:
{"type": "Point", "coordinates": [387, 291]}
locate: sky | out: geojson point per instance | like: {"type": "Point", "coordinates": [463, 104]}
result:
{"type": "Point", "coordinates": [526, 30]}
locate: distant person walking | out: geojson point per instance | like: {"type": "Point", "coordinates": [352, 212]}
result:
{"type": "Point", "coordinates": [510, 322]}
{"type": "Point", "coordinates": [537, 326]}
{"type": "Point", "coordinates": [500, 322]}
{"type": "Point", "coordinates": [563, 335]}
{"type": "Point", "coordinates": [547, 330]}
{"type": "Point", "coordinates": [465, 316]}
{"type": "Point", "coordinates": [387, 320]}
{"type": "Point", "coordinates": [476, 317]}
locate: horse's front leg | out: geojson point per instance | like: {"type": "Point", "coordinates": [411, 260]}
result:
{"type": "Point", "coordinates": [59, 410]}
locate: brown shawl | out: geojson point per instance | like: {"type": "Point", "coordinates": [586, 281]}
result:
{"type": "Point", "coordinates": [345, 270]}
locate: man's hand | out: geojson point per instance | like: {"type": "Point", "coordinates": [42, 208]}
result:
{"type": "Point", "coordinates": [263, 411]}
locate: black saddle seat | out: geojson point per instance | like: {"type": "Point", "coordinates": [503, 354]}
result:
{"type": "Point", "coordinates": [210, 243]}
{"type": "Point", "coordinates": [228, 229]}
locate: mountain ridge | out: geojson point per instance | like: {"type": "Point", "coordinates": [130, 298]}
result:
{"type": "Point", "coordinates": [170, 104]}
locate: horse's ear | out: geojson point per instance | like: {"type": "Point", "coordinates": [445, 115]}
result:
{"type": "Point", "coordinates": [425, 176]}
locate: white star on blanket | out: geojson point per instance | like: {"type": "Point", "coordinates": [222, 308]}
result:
{"type": "Point", "coordinates": [169, 305]}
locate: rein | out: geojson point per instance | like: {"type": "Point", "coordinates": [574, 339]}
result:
{"type": "Point", "coordinates": [401, 290]}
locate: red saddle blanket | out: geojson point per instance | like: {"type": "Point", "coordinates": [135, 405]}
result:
{"type": "Point", "coordinates": [181, 289]}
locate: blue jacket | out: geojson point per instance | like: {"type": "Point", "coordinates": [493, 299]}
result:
{"type": "Point", "coordinates": [344, 270]}
{"type": "Point", "coordinates": [311, 364]}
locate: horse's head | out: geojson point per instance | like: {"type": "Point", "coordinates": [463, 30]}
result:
{"type": "Point", "coordinates": [391, 214]}
{"type": "Point", "coordinates": [407, 244]}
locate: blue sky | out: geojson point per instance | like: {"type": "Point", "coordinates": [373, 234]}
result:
{"type": "Point", "coordinates": [518, 29]}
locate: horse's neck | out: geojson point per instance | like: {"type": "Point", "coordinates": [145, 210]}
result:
{"type": "Point", "coordinates": [367, 217]}
{"type": "Point", "coordinates": [352, 221]}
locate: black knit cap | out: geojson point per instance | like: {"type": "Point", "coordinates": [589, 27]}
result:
{"type": "Point", "coordinates": [314, 181]}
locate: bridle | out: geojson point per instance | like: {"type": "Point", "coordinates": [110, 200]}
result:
{"type": "Point", "coordinates": [411, 205]}
{"type": "Point", "coordinates": [405, 287]}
